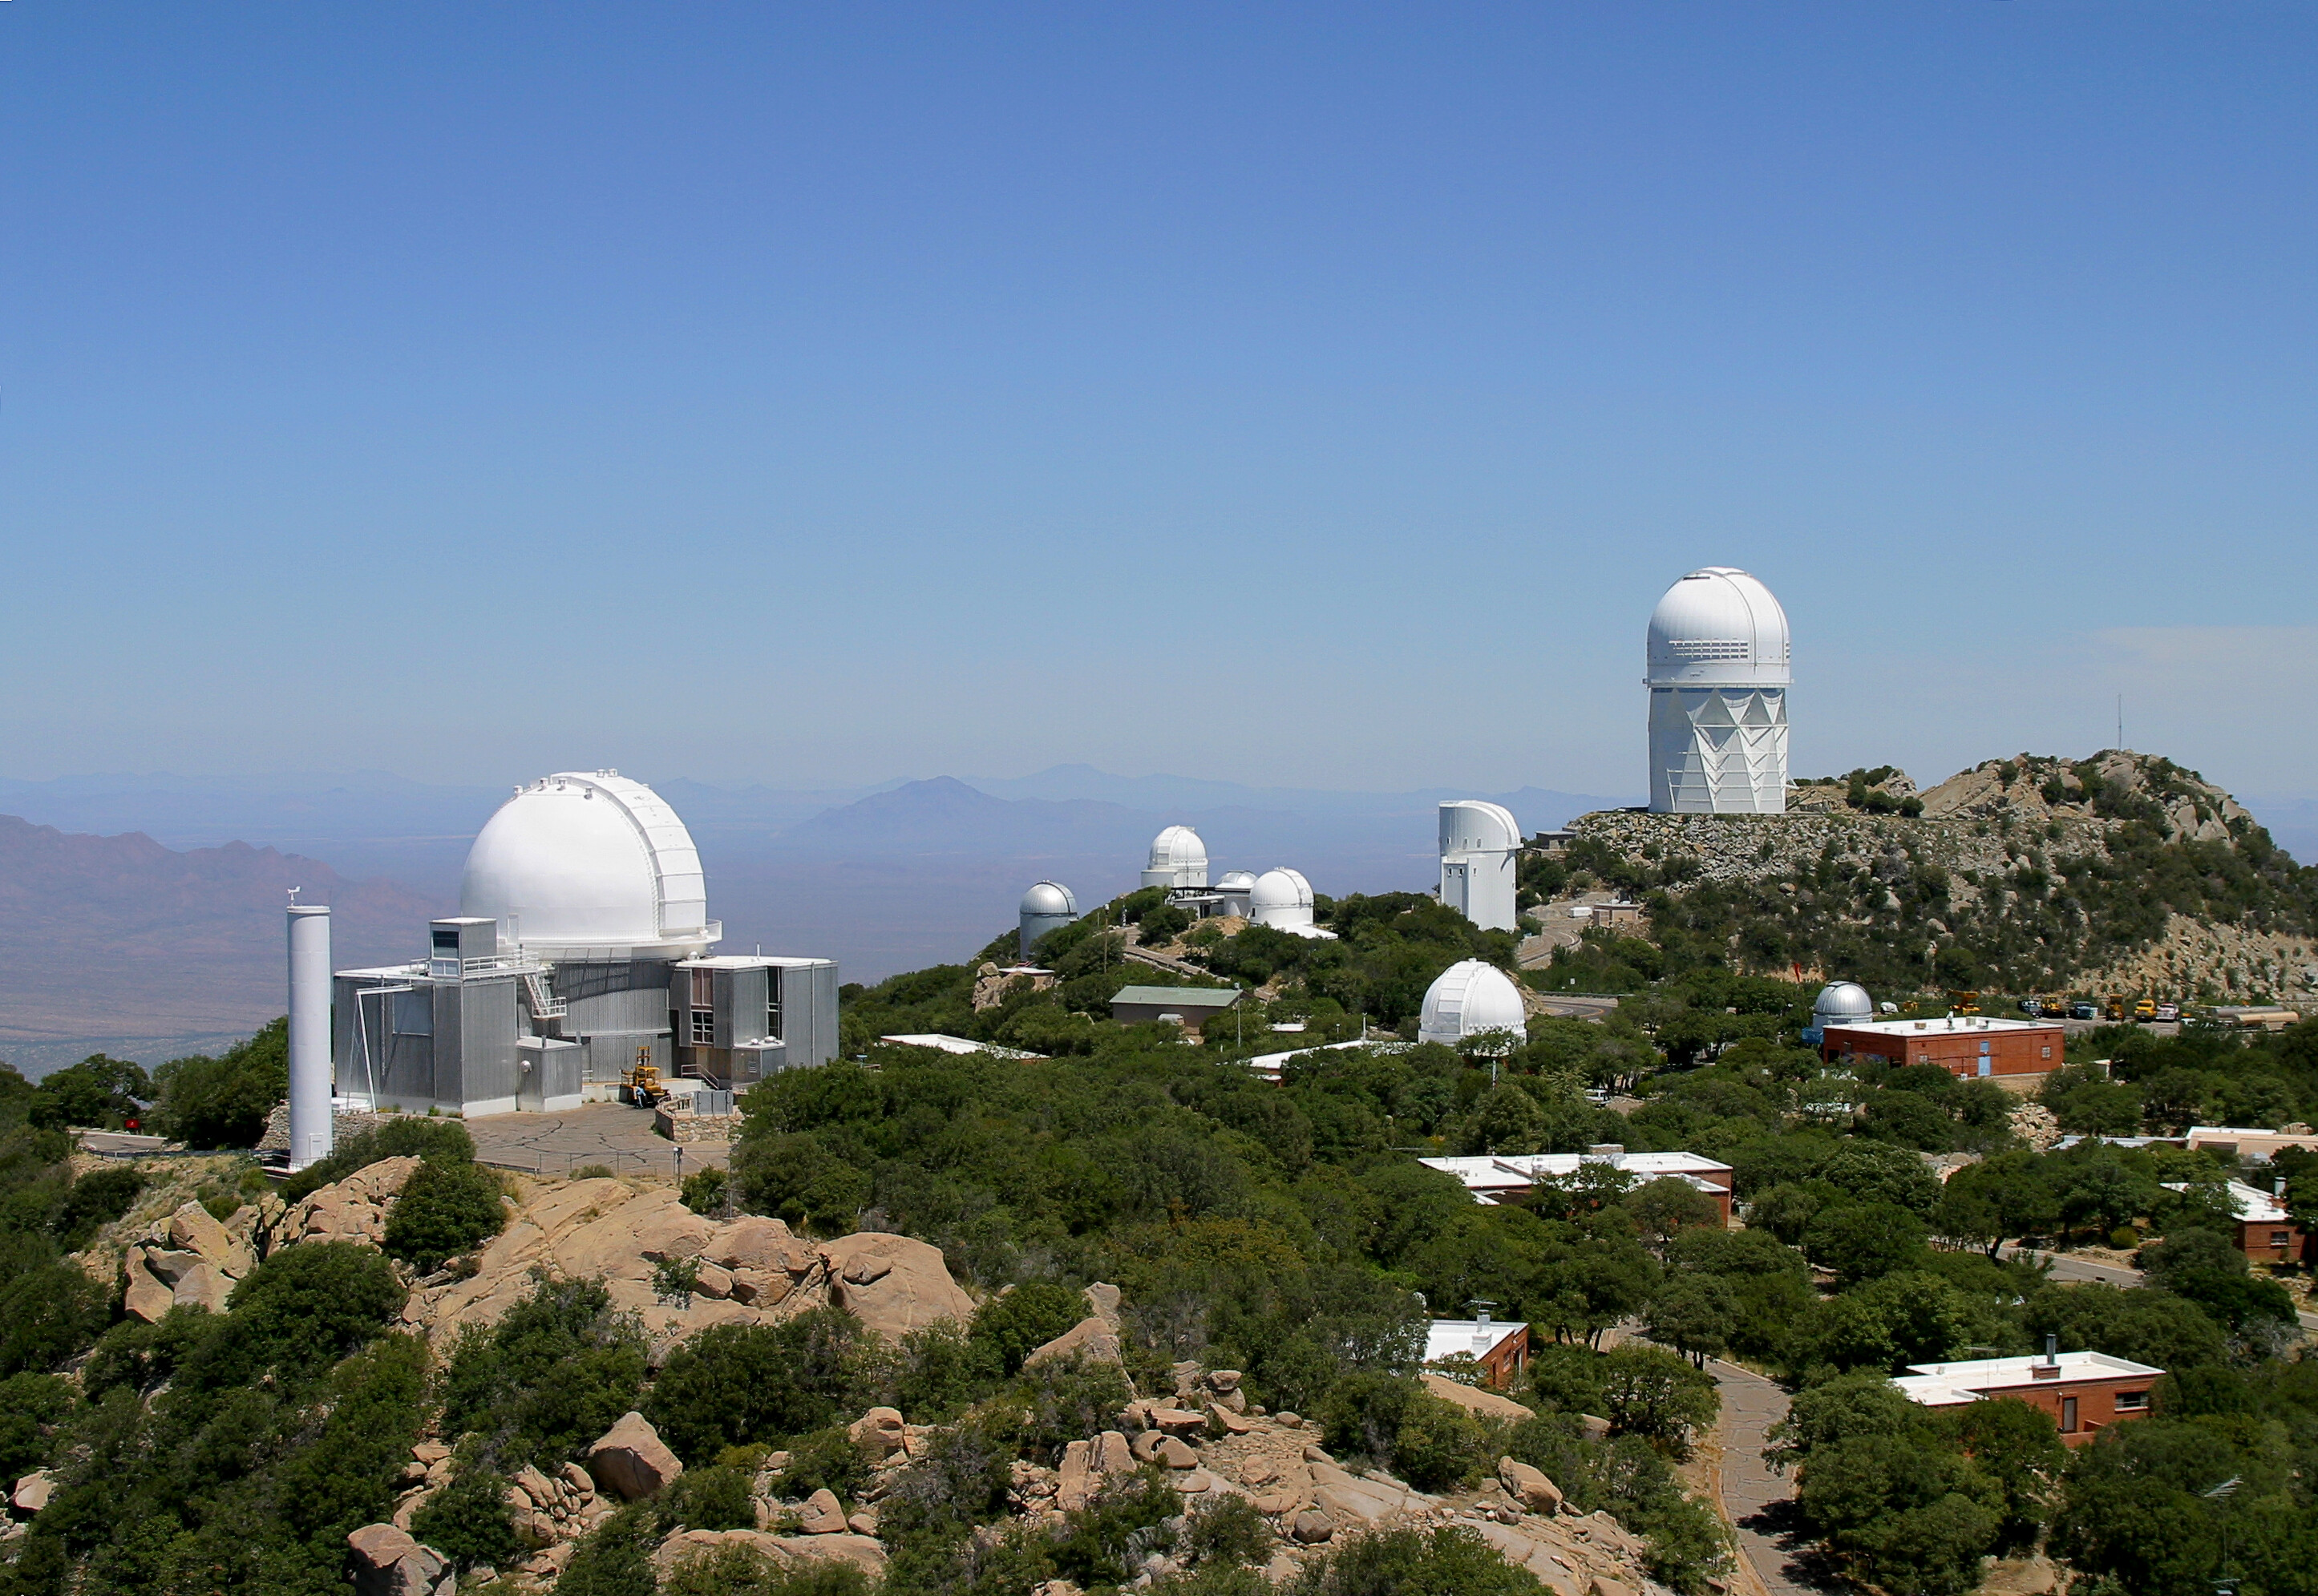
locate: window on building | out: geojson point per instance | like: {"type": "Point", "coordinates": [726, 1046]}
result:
{"type": "Point", "coordinates": [704, 989]}
{"type": "Point", "coordinates": [2279, 1238]}
{"type": "Point", "coordinates": [703, 1028]}
{"type": "Point", "coordinates": [2067, 1415]}
{"type": "Point", "coordinates": [2132, 1402]}
{"type": "Point", "coordinates": [772, 1002]}
{"type": "Point", "coordinates": [2048, 1053]}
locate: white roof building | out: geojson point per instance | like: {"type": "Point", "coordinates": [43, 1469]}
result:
{"type": "Point", "coordinates": [1952, 1023]}
{"type": "Point", "coordinates": [958, 1044]}
{"type": "Point", "coordinates": [1474, 1338]}
{"type": "Point", "coordinates": [1469, 997]}
{"type": "Point", "coordinates": [1951, 1384]}
{"type": "Point", "coordinates": [2231, 1141]}
{"type": "Point", "coordinates": [2249, 1203]}
{"type": "Point", "coordinates": [1491, 1176]}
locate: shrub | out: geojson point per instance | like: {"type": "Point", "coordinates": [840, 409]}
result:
{"type": "Point", "coordinates": [1017, 1322]}
{"type": "Point", "coordinates": [2125, 1237]}
{"type": "Point", "coordinates": [405, 1135]}
{"type": "Point", "coordinates": [467, 1521]}
{"type": "Point", "coordinates": [1393, 1420]}
{"type": "Point", "coordinates": [1449, 1561]}
{"type": "Point", "coordinates": [826, 1460]}
{"type": "Point", "coordinates": [556, 1371]}
{"type": "Point", "coordinates": [1103, 1543]}
{"type": "Point", "coordinates": [30, 1408]}
{"type": "Point", "coordinates": [708, 1191]}
{"type": "Point", "coordinates": [711, 1498]}
{"type": "Point", "coordinates": [297, 1314]}
{"type": "Point", "coordinates": [448, 1206]}
{"type": "Point", "coordinates": [1227, 1529]}
{"type": "Point", "coordinates": [1071, 1399]}
{"type": "Point", "coordinates": [733, 1384]}
{"type": "Point", "coordinates": [744, 1571]}
{"type": "Point", "coordinates": [616, 1559]}
{"type": "Point", "coordinates": [95, 1200]}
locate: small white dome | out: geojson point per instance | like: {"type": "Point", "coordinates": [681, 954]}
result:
{"type": "Point", "coordinates": [1468, 997]}
{"type": "Point", "coordinates": [1842, 1003]}
{"type": "Point", "coordinates": [1235, 881]}
{"type": "Point", "coordinates": [589, 861]}
{"type": "Point", "coordinates": [1050, 897]}
{"type": "Point", "coordinates": [1719, 627]}
{"type": "Point", "coordinates": [1281, 893]}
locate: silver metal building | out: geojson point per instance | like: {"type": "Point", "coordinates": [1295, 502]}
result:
{"type": "Point", "coordinates": [578, 955]}
{"type": "Point", "coordinates": [1047, 906]}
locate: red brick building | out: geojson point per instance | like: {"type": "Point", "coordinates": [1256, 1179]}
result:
{"type": "Point", "coordinates": [1968, 1045]}
{"type": "Point", "coordinates": [2084, 1392]}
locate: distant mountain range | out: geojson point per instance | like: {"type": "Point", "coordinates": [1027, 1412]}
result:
{"type": "Point", "coordinates": [117, 943]}
{"type": "Point", "coordinates": [168, 938]}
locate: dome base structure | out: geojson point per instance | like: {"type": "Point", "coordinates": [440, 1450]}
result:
{"type": "Point", "coordinates": [1719, 751]}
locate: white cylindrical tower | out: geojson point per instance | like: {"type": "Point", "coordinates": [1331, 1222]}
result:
{"type": "Point", "coordinates": [1718, 680]}
{"type": "Point", "coordinates": [309, 1033]}
{"type": "Point", "coordinates": [1047, 906]}
{"type": "Point", "coordinates": [1478, 845]}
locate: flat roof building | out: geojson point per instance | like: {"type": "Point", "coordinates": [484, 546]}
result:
{"type": "Point", "coordinates": [2084, 1392]}
{"type": "Point", "coordinates": [2265, 1233]}
{"type": "Point", "coordinates": [1494, 1176]}
{"type": "Point", "coordinates": [1189, 1006]}
{"type": "Point", "coordinates": [1501, 1349]}
{"type": "Point", "coordinates": [1966, 1046]}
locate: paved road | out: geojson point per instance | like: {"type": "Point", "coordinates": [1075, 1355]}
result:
{"type": "Point", "coordinates": [2069, 1266]}
{"type": "Point", "coordinates": [609, 1134]}
{"type": "Point", "coordinates": [1751, 1404]}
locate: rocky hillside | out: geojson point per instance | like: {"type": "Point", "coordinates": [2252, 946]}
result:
{"type": "Point", "coordinates": [676, 1274]}
{"type": "Point", "coordinates": [2124, 870]}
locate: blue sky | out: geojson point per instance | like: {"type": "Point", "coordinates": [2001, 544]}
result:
{"type": "Point", "coordinates": [1317, 395]}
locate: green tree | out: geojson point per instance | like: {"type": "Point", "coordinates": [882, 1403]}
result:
{"type": "Point", "coordinates": [1863, 1240]}
{"type": "Point", "coordinates": [733, 1384]}
{"type": "Point", "coordinates": [1449, 1561]}
{"type": "Point", "coordinates": [1017, 1322]}
{"type": "Point", "coordinates": [2004, 1197]}
{"type": "Point", "coordinates": [224, 1101]}
{"type": "Point", "coordinates": [99, 1091]}
{"type": "Point", "coordinates": [1665, 1209]}
{"type": "Point", "coordinates": [1695, 1314]}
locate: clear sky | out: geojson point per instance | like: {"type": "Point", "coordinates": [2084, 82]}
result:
{"type": "Point", "coordinates": [1316, 395]}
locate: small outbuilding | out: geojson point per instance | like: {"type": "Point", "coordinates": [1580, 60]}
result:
{"type": "Point", "coordinates": [1191, 1007]}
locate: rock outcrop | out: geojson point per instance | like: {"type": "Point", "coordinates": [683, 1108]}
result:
{"type": "Point", "coordinates": [892, 1284]}
{"type": "Point", "coordinates": [190, 1258]}
{"type": "Point", "coordinates": [386, 1561]}
{"type": "Point", "coordinates": [632, 1459]}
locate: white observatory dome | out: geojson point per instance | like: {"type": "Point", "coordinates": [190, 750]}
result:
{"type": "Point", "coordinates": [1842, 1003]}
{"type": "Point", "coordinates": [1177, 859]}
{"type": "Point", "coordinates": [1718, 627]}
{"type": "Point", "coordinates": [589, 862]}
{"type": "Point", "coordinates": [1050, 897]}
{"type": "Point", "coordinates": [1280, 898]}
{"type": "Point", "coordinates": [1468, 997]}
{"type": "Point", "coordinates": [1235, 881]}
{"type": "Point", "coordinates": [1472, 825]}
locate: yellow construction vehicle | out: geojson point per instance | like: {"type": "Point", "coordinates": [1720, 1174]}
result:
{"type": "Point", "coordinates": [641, 1084]}
{"type": "Point", "coordinates": [1963, 1003]}
{"type": "Point", "coordinates": [2115, 1006]}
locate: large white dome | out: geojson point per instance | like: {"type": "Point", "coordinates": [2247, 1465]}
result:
{"type": "Point", "coordinates": [1177, 859]}
{"type": "Point", "coordinates": [1719, 627]}
{"type": "Point", "coordinates": [589, 862]}
{"type": "Point", "coordinates": [1467, 999]}
{"type": "Point", "coordinates": [1472, 825]}
{"type": "Point", "coordinates": [1281, 897]}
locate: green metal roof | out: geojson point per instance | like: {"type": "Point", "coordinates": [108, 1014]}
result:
{"type": "Point", "coordinates": [1179, 997]}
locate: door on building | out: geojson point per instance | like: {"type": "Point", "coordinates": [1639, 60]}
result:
{"type": "Point", "coordinates": [2067, 1415]}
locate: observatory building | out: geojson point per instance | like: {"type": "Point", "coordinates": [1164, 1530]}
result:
{"type": "Point", "coordinates": [1047, 906]}
{"type": "Point", "coordinates": [1468, 998]}
{"type": "Point", "coordinates": [1178, 861]}
{"type": "Point", "coordinates": [1282, 898]}
{"type": "Point", "coordinates": [1718, 680]}
{"type": "Point", "coordinates": [581, 949]}
{"type": "Point", "coordinates": [1479, 843]}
